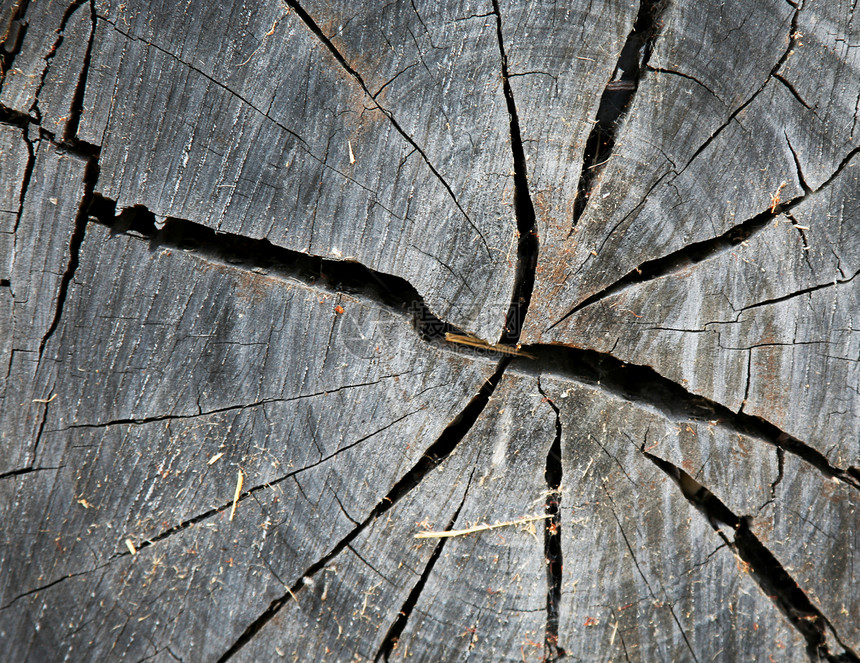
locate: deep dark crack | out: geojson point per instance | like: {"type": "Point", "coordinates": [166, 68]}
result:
{"type": "Point", "coordinates": [527, 244]}
{"type": "Point", "coordinates": [58, 40]}
{"type": "Point", "coordinates": [432, 457]}
{"type": "Point", "coordinates": [554, 475]}
{"type": "Point", "coordinates": [239, 251]}
{"type": "Point", "coordinates": [770, 575]}
{"type": "Point", "coordinates": [616, 100]}
{"type": "Point", "coordinates": [399, 624]}
{"type": "Point", "coordinates": [27, 470]}
{"type": "Point", "coordinates": [91, 174]}
{"type": "Point", "coordinates": [76, 107]}
{"type": "Point", "coordinates": [642, 384]}
{"type": "Point", "coordinates": [10, 43]}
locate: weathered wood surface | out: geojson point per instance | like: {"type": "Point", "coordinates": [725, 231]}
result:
{"type": "Point", "coordinates": [232, 239]}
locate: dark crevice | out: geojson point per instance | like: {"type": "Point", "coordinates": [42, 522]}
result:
{"type": "Point", "coordinates": [642, 384]}
{"type": "Point", "coordinates": [800, 178]}
{"type": "Point", "coordinates": [775, 582]}
{"type": "Point", "coordinates": [76, 108]}
{"type": "Point", "coordinates": [697, 252]}
{"type": "Point", "coordinates": [399, 624]}
{"type": "Point", "coordinates": [524, 211]}
{"type": "Point", "coordinates": [432, 457]}
{"type": "Point", "coordinates": [27, 470]}
{"type": "Point", "coordinates": [317, 31]}
{"type": "Point", "coordinates": [14, 118]}
{"type": "Point", "coordinates": [554, 475]}
{"type": "Point", "coordinates": [349, 277]}
{"type": "Point", "coordinates": [12, 39]}
{"type": "Point", "coordinates": [616, 100]}
{"type": "Point", "coordinates": [793, 91]}
{"type": "Point", "coordinates": [683, 258]}
{"type": "Point", "coordinates": [748, 382]}
{"type": "Point", "coordinates": [700, 497]}
{"type": "Point", "coordinates": [27, 176]}
{"type": "Point", "coordinates": [60, 32]}
{"type": "Point", "coordinates": [91, 174]}
{"type": "Point", "coordinates": [780, 472]}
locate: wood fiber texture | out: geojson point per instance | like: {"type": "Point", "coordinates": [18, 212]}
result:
{"type": "Point", "coordinates": [430, 331]}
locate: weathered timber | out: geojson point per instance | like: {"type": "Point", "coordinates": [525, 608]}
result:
{"type": "Point", "coordinates": [237, 242]}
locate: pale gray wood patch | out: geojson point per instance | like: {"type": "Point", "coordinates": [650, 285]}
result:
{"type": "Point", "coordinates": [560, 56]}
{"type": "Point", "coordinates": [678, 174]}
{"type": "Point", "coordinates": [767, 327]}
{"type": "Point", "coordinates": [486, 596]}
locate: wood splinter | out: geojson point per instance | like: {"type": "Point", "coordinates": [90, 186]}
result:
{"type": "Point", "coordinates": [475, 342]}
{"type": "Point", "coordinates": [446, 534]}
{"type": "Point", "coordinates": [240, 479]}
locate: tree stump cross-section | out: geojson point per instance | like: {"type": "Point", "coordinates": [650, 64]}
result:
{"type": "Point", "coordinates": [430, 331]}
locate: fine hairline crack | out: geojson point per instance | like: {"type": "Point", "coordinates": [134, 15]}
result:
{"type": "Point", "coordinates": [317, 31]}
{"type": "Point", "coordinates": [435, 454]}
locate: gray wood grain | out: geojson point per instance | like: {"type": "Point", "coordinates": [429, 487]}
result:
{"type": "Point", "coordinates": [678, 174]}
{"type": "Point", "coordinates": [40, 240]}
{"type": "Point", "coordinates": [264, 372]}
{"type": "Point", "coordinates": [219, 224]}
{"type": "Point", "coordinates": [36, 35]}
{"type": "Point", "coordinates": [257, 157]}
{"type": "Point", "coordinates": [645, 576]}
{"type": "Point", "coordinates": [766, 327]}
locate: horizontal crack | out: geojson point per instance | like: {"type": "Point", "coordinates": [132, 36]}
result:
{"type": "Point", "coordinates": [27, 470]}
{"type": "Point", "coordinates": [798, 293]}
{"type": "Point", "coordinates": [241, 252]}
{"type": "Point", "coordinates": [642, 384]}
{"type": "Point", "coordinates": [230, 408]}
